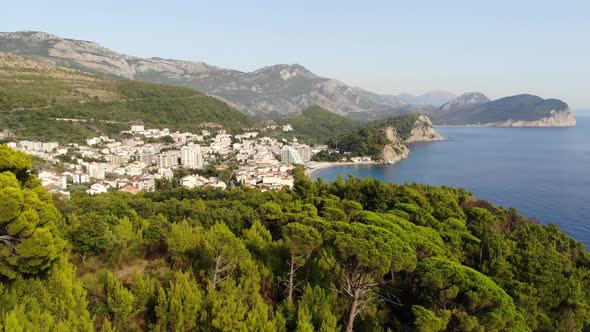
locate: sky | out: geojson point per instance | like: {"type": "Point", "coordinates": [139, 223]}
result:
{"type": "Point", "coordinates": [496, 47]}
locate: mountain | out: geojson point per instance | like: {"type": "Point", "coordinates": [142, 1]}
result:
{"type": "Point", "coordinates": [279, 90]}
{"type": "Point", "coordinates": [388, 139]}
{"type": "Point", "coordinates": [268, 92]}
{"type": "Point", "coordinates": [431, 98]}
{"type": "Point", "coordinates": [465, 100]}
{"type": "Point", "coordinates": [40, 100]}
{"type": "Point", "coordinates": [318, 124]}
{"type": "Point", "coordinates": [514, 111]}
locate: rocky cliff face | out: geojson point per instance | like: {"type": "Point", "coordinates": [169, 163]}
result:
{"type": "Point", "coordinates": [423, 131]}
{"type": "Point", "coordinates": [398, 149]}
{"type": "Point", "coordinates": [555, 119]}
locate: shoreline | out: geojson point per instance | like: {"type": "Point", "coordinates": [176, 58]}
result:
{"type": "Point", "coordinates": [323, 165]}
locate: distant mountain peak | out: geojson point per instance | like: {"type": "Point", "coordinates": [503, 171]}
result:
{"type": "Point", "coordinates": [466, 99]}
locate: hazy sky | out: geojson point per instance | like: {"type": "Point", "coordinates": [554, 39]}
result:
{"type": "Point", "coordinates": [497, 47]}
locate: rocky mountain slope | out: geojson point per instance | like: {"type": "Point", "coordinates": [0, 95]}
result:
{"type": "Point", "coordinates": [267, 92]}
{"type": "Point", "coordinates": [280, 90]}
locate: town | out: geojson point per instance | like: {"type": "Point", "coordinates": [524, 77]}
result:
{"type": "Point", "coordinates": [143, 158]}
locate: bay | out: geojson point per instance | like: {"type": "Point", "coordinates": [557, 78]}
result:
{"type": "Point", "coordinates": [542, 172]}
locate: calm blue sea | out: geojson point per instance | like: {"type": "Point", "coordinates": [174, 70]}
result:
{"type": "Point", "coordinates": [542, 172]}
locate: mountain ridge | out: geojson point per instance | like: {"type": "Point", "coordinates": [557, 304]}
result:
{"type": "Point", "coordinates": [277, 90]}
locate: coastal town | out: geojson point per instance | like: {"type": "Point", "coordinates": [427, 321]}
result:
{"type": "Point", "coordinates": [144, 159]}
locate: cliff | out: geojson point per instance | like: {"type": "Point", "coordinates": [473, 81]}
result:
{"type": "Point", "coordinates": [555, 119]}
{"type": "Point", "coordinates": [388, 139]}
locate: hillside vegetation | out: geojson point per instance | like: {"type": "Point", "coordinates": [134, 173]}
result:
{"type": "Point", "coordinates": [350, 255]}
{"type": "Point", "coordinates": [34, 93]}
{"type": "Point", "coordinates": [371, 138]}
{"type": "Point", "coordinates": [318, 124]}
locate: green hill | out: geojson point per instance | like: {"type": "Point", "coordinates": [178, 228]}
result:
{"type": "Point", "coordinates": [318, 123]}
{"type": "Point", "coordinates": [370, 139]}
{"type": "Point", "coordinates": [34, 94]}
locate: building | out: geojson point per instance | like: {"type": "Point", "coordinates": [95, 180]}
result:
{"type": "Point", "coordinates": [192, 181]}
{"type": "Point", "coordinates": [81, 178]}
{"type": "Point", "coordinates": [97, 188]}
{"type": "Point", "coordinates": [166, 173]}
{"type": "Point", "coordinates": [97, 171]}
{"type": "Point", "coordinates": [169, 159]}
{"type": "Point", "coordinates": [290, 155]}
{"type": "Point", "coordinates": [146, 184]}
{"type": "Point", "coordinates": [137, 128]}
{"type": "Point", "coordinates": [191, 156]}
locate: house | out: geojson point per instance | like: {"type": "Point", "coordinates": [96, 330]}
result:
{"type": "Point", "coordinates": [130, 189]}
{"type": "Point", "coordinates": [97, 188]}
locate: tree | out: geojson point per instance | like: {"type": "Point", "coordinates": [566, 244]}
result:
{"type": "Point", "coordinates": [179, 305]}
{"type": "Point", "coordinates": [118, 299]}
{"type": "Point", "coordinates": [361, 255]}
{"type": "Point", "coordinates": [29, 242]}
{"type": "Point", "coordinates": [302, 241]}
{"type": "Point", "coordinates": [227, 251]}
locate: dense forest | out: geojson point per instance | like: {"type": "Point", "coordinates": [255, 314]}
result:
{"type": "Point", "coordinates": [33, 94]}
{"type": "Point", "coordinates": [350, 255]}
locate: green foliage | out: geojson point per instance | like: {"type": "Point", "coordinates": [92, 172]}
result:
{"type": "Point", "coordinates": [370, 139]}
{"type": "Point", "coordinates": [29, 242]}
{"type": "Point", "coordinates": [178, 307]}
{"type": "Point", "coordinates": [318, 125]}
{"type": "Point", "coordinates": [355, 254]}
{"type": "Point", "coordinates": [33, 95]}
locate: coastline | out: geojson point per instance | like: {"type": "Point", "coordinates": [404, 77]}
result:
{"type": "Point", "coordinates": [323, 165]}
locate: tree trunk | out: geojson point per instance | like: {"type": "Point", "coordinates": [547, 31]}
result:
{"type": "Point", "coordinates": [352, 313]}
{"type": "Point", "coordinates": [215, 272]}
{"type": "Point", "coordinates": [291, 279]}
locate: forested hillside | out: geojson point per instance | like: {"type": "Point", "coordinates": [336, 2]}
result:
{"type": "Point", "coordinates": [350, 255]}
{"type": "Point", "coordinates": [34, 94]}
{"type": "Point", "coordinates": [319, 125]}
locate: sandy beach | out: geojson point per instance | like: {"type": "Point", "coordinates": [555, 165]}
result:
{"type": "Point", "coordinates": [311, 168]}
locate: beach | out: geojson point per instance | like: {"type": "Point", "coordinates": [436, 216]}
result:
{"type": "Point", "coordinates": [311, 168]}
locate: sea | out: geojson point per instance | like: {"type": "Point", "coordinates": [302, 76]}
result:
{"type": "Point", "coordinates": [542, 172]}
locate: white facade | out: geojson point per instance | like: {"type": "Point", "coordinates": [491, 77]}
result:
{"type": "Point", "coordinates": [81, 178]}
{"type": "Point", "coordinates": [168, 159]}
{"type": "Point", "coordinates": [191, 156]}
{"type": "Point", "coordinates": [97, 171]}
{"type": "Point", "coordinates": [290, 155]}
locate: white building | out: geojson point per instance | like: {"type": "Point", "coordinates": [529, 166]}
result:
{"type": "Point", "coordinates": [169, 159]}
{"type": "Point", "coordinates": [146, 184]}
{"type": "Point", "coordinates": [81, 178]}
{"type": "Point", "coordinates": [97, 188]}
{"type": "Point", "coordinates": [290, 155]}
{"type": "Point", "coordinates": [97, 171]}
{"type": "Point", "coordinates": [137, 128]}
{"type": "Point", "coordinates": [166, 173]}
{"type": "Point", "coordinates": [191, 156]}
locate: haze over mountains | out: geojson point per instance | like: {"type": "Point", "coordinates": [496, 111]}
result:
{"type": "Point", "coordinates": [277, 90]}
